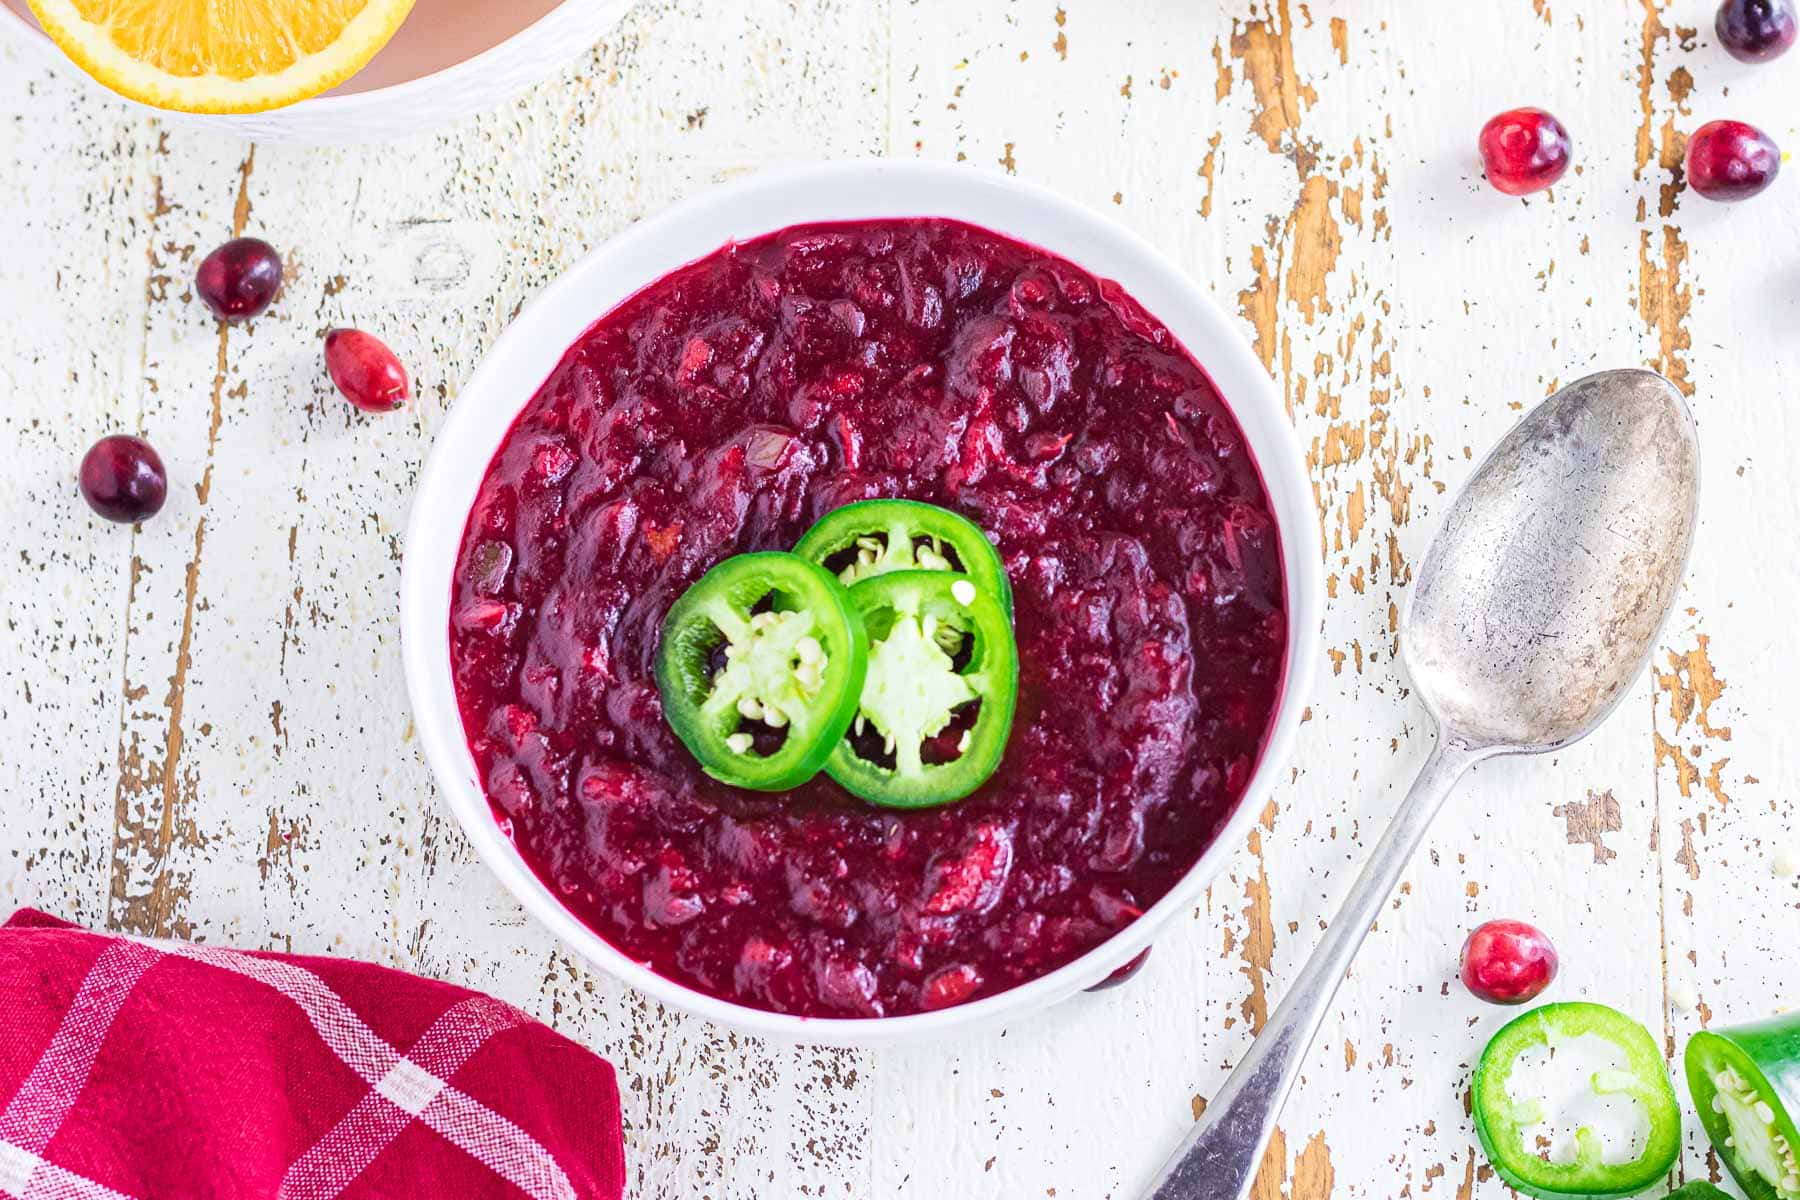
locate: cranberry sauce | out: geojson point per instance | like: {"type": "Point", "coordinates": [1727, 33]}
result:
{"type": "Point", "coordinates": [724, 409]}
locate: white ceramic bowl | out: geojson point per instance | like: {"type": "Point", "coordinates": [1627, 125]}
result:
{"type": "Point", "coordinates": [531, 348]}
{"type": "Point", "coordinates": [451, 59]}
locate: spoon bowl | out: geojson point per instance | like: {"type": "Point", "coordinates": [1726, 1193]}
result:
{"type": "Point", "coordinates": [1540, 600]}
{"type": "Point", "coordinates": [1537, 605]}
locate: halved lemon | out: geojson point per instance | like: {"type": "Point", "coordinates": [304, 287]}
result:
{"type": "Point", "coordinates": [209, 56]}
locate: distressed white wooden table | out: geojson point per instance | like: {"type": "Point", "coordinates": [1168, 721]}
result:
{"type": "Point", "coordinates": [203, 729]}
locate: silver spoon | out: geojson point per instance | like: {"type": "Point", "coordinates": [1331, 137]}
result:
{"type": "Point", "coordinates": [1537, 606]}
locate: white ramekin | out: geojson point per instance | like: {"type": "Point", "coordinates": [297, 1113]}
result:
{"type": "Point", "coordinates": [535, 342]}
{"type": "Point", "coordinates": [430, 101]}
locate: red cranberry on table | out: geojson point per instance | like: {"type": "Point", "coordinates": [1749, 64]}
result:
{"type": "Point", "coordinates": [1524, 150]}
{"type": "Point", "coordinates": [122, 479]}
{"type": "Point", "coordinates": [1729, 160]}
{"type": "Point", "coordinates": [365, 370]}
{"type": "Point", "coordinates": [239, 279]}
{"type": "Point", "coordinates": [1125, 972]}
{"type": "Point", "coordinates": [1755, 31]}
{"type": "Point", "coordinates": [1507, 962]}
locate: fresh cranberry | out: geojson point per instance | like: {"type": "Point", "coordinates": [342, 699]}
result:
{"type": "Point", "coordinates": [1756, 30]}
{"type": "Point", "coordinates": [122, 479]}
{"type": "Point", "coordinates": [1125, 972]}
{"type": "Point", "coordinates": [1729, 160]}
{"type": "Point", "coordinates": [1507, 962]}
{"type": "Point", "coordinates": [239, 279]}
{"type": "Point", "coordinates": [1524, 150]}
{"type": "Point", "coordinates": [365, 370]}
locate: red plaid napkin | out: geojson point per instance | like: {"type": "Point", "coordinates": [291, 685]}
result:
{"type": "Point", "coordinates": [130, 1070]}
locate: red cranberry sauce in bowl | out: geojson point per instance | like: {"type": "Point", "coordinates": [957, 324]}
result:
{"type": "Point", "coordinates": [724, 409]}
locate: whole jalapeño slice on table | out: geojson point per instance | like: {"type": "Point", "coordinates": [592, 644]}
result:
{"type": "Point", "coordinates": [938, 698]}
{"type": "Point", "coordinates": [875, 537]}
{"type": "Point", "coordinates": [760, 667]}
{"type": "Point", "coordinates": [1510, 1110]}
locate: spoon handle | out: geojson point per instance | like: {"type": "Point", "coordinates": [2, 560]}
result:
{"type": "Point", "coordinates": [1219, 1158]}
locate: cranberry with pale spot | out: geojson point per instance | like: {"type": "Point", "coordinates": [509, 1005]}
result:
{"type": "Point", "coordinates": [1756, 31]}
{"type": "Point", "coordinates": [1731, 160]}
{"type": "Point", "coordinates": [239, 280]}
{"type": "Point", "coordinates": [122, 479]}
{"type": "Point", "coordinates": [1508, 962]}
{"type": "Point", "coordinates": [950, 986]}
{"type": "Point", "coordinates": [1524, 150]}
{"type": "Point", "coordinates": [366, 371]}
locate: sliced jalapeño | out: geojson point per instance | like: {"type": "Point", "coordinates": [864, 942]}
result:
{"type": "Point", "coordinates": [1516, 1085]}
{"type": "Point", "coordinates": [874, 537]}
{"type": "Point", "coordinates": [937, 701]}
{"type": "Point", "coordinates": [760, 668]}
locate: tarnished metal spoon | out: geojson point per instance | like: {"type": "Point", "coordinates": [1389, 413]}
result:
{"type": "Point", "coordinates": [1536, 607]}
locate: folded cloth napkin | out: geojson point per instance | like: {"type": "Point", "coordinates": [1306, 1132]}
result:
{"type": "Point", "coordinates": [168, 1070]}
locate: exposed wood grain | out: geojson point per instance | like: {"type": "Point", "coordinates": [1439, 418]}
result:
{"type": "Point", "coordinates": [206, 729]}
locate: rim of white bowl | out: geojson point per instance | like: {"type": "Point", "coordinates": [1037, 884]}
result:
{"type": "Point", "coordinates": [530, 348]}
{"type": "Point", "coordinates": [442, 96]}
